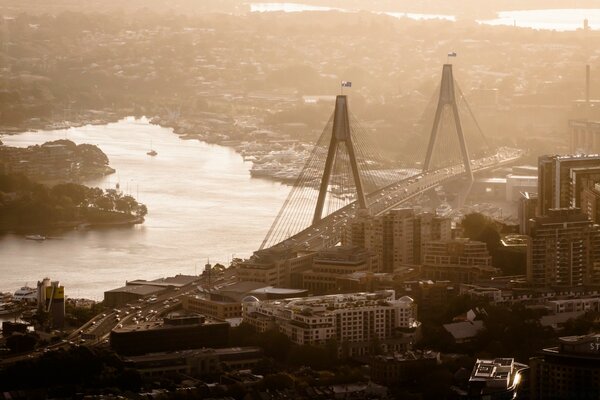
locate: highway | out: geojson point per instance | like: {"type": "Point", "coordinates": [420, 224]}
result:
{"type": "Point", "coordinates": [97, 330]}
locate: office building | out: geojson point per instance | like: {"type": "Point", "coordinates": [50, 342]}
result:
{"type": "Point", "coordinates": [590, 202]}
{"type": "Point", "coordinates": [174, 332]}
{"type": "Point", "coordinates": [273, 266]}
{"type": "Point", "coordinates": [330, 264]}
{"type": "Point", "coordinates": [561, 180]}
{"type": "Point", "coordinates": [195, 362]}
{"type": "Point", "coordinates": [527, 210]}
{"type": "Point", "coordinates": [356, 319]}
{"type": "Point", "coordinates": [564, 250]}
{"type": "Point", "coordinates": [429, 227]}
{"type": "Point", "coordinates": [225, 302]}
{"type": "Point", "coordinates": [459, 260]}
{"type": "Point", "coordinates": [397, 237]}
{"type": "Point", "coordinates": [570, 370]}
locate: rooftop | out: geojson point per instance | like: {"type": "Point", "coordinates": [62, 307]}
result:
{"type": "Point", "coordinates": [137, 289]}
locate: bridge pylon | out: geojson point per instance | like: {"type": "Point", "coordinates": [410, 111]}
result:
{"type": "Point", "coordinates": [447, 98]}
{"type": "Point", "coordinates": [340, 134]}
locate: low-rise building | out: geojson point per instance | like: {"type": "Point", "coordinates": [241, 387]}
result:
{"type": "Point", "coordinates": [357, 319]}
{"type": "Point", "coordinates": [175, 332]}
{"type": "Point", "coordinates": [195, 362]}
{"type": "Point", "coordinates": [496, 379]}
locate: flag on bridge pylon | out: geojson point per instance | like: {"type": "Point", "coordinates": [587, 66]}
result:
{"type": "Point", "coordinates": [346, 84]}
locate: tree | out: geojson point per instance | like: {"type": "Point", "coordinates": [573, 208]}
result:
{"type": "Point", "coordinates": [478, 227]}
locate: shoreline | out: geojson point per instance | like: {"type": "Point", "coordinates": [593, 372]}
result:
{"type": "Point", "coordinates": [68, 225]}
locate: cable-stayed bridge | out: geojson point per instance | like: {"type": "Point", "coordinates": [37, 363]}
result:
{"type": "Point", "coordinates": [346, 175]}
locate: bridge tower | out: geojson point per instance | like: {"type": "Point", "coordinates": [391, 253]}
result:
{"type": "Point", "coordinates": [447, 98]}
{"type": "Point", "coordinates": [340, 135]}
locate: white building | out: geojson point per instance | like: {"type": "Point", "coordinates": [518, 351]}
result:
{"type": "Point", "coordinates": [357, 319]}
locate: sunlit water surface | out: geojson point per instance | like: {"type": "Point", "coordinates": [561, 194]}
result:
{"type": "Point", "coordinates": [202, 204]}
{"type": "Point", "coordinates": [550, 19]}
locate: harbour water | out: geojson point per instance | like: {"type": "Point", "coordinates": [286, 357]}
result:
{"type": "Point", "coordinates": [548, 19]}
{"type": "Point", "coordinates": [202, 205]}
{"type": "Point", "coordinates": [552, 19]}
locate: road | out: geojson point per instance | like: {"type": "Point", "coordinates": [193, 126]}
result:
{"type": "Point", "coordinates": [329, 230]}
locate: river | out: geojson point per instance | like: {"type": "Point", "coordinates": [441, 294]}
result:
{"type": "Point", "coordinates": [550, 19]}
{"type": "Point", "coordinates": [202, 204]}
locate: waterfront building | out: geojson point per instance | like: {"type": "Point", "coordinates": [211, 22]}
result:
{"type": "Point", "coordinates": [51, 299]}
{"type": "Point", "coordinates": [356, 320]}
{"type": "Point", "coordinates": [570, 370]}
{"type": "Point", "coordinates": [460, 260]}
{"type": "Point", "coordinates": [129, 294]}
{"type": "Point", "coordinates": [174, 332]}
{"type": "Point", "coordinates": [561, 180]}
{"type": "Point", "coordinates": [141, 288]}
{"type": "Point", "coordinates": [564, 250]}
{"type": "Point", "coordinates": [273, 266]}
{"type": "Point", "coordinates": [496, 379]}
{"type": "Point", "coordinates": [225, 302]}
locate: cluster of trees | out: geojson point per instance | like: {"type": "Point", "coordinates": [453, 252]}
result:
{"type": "Point", "coordinates": [27, 204]}
{"type": "Point", "coordinates": [478, 227]}
{"type": "Point", "coordinates": [63, 373]}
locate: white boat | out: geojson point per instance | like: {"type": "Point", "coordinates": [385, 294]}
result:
{"type": "Point", "coordinates": [25, 293]}
{"type": "Point", "coordinates": [35, 237]}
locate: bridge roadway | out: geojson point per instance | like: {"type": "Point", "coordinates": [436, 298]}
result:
{"type": "Point", "coordinates": [328, 231]}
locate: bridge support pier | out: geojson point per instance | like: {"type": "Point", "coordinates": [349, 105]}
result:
{"type": "Point", "coordinates": [340, 134]}
{"type": "Point", "coordinates": [448, 98]}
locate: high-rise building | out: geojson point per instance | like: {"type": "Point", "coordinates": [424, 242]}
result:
{"type": "Point", "coordinates": [564, 249]}
{"type": "Point", "coordinates": [585, 136]}
{"type": "Point", "coordinates": [429, 227]}
{"type": "Point", "coordinates": [569, 371]}
{"type": "Point", "coordinates": [527, 210]}
{"type": "Point", "coordinates": [561, 179]}
{"type": "Point", "coordinates": [397, 237]}
{"type": "Point", "coordinates": [459, 260]}
{"type": "Point", "coordinates": [590, 202]}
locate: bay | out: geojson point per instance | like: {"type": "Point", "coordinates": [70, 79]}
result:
{"type": "Point", "coordinates": [202, 205]}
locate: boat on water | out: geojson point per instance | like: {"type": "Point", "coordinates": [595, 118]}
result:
{"type": "Point", "coordinates": [38, 238]}
{"type": "Point", "coordinates": [152, 152]}
{"type": "Point", "coordinates": [26, 293]}
{"type": "Point", "coordinates": [9, 308]}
